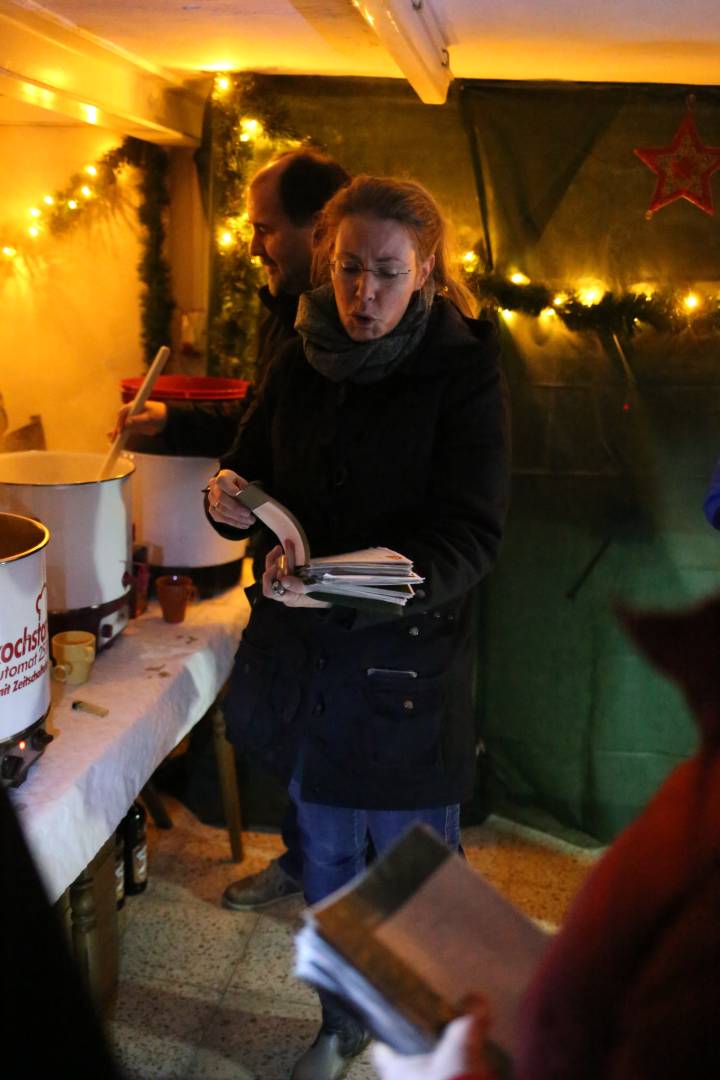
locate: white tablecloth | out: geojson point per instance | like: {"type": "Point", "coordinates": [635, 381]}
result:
{"type": "Point", "coordinates": [157, 680]}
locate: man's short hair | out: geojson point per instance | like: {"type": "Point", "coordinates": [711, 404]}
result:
{"type": "Point", "coordinates": [307, 182]}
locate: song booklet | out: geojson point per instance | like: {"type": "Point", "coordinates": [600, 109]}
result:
{"type": "Point", "coordinates": [376, 574]}
{"type": "Point", "coordinates": [409, 940]}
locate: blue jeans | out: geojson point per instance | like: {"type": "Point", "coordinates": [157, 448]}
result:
{"type": "Point", "coordinates": [334, 838]}
{"type": "Point", "coordinates": [291, 859]}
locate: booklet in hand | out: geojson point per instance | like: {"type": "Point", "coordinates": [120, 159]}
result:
{"type": "Point", "coordinates": [410, 940]}
{"type": "Point", "coordinates": [373, 574]}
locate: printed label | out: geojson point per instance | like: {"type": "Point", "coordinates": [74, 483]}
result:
{"type": "Point", "coordinates": [140, 864]}
{"type": "Point", "coordinates": [119, 880]}
{"type": "Point", "coordinates": [24, 659]}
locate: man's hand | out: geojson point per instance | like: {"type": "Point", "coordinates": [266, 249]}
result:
{"type": "Point", "coordinates": [151, 420]}
{"type": "Point", "coordinates": [460, 1052]}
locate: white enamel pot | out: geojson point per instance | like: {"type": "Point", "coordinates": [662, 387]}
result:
{"type": "Point", "coordinates": [24, 678]}
{"type": "Point", "coordinates": [90, 521]}
{"type": "Point", "coordinates": [169, 514]}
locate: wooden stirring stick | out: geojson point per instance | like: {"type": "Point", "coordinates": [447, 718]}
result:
{"type": "Point", "coordinates": [138, 401]}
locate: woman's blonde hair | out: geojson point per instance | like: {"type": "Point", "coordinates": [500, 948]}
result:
{"type": "Point", "coordinates": [406, 202]}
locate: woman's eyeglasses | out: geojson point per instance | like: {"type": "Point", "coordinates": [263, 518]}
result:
{"type": "Point", "coordinates": [350, 271]}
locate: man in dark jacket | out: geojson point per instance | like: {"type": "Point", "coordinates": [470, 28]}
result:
{"type": "Point", "coordinates": [284, 199]}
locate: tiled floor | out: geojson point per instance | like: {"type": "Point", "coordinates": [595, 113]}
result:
{"type": "Point", "coordinates": [208, 994]}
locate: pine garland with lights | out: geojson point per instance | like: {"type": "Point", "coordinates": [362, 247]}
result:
{"type": "Point", "coordinates": [597, 311]}
{"type": "Point", "coordinates": [156, 303]}
{"type": "Point", "coordinates": [96, 191]}
{"type": "Point", "coordinates": [244, 119]}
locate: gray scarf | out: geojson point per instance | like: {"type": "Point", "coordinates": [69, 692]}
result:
{"type": "Point", "coordinates": [336, 356]}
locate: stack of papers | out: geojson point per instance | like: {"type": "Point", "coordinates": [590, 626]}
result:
{"type": "Point", "coordinates": [372, 574]}
{"type": "Point", "coordinates": [409, 940]}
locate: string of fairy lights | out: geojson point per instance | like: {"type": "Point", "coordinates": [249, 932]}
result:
{"type": "Point", "coordinates": [591, 306]}
{"type": "Point", "coordinates": [94, 188]}
{"type": "Point", "coordinates": [265, 130]}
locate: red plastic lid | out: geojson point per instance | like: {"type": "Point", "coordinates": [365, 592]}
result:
{"type": "Point", "coordinates": [188, 388]}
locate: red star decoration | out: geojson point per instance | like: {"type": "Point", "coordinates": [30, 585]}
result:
{"type": "Point", "coordinates": [683, 168]}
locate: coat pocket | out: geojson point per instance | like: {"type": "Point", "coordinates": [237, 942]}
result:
{"type": "Point", "coordinates": [403, 731]}
{"type": "Point", "coordinates": [248, 699]}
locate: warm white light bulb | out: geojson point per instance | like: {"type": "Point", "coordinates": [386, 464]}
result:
{"type": "Point", "coordinates": [72, 204]}
{"type": "Point", "coordinates": [250, 129]}
{"type": "Point", "coordinates": [33, 231]}
{"type": "Point", "coordinates": [9, 252]}
{"type": "Point", "coordinates": [91, 170]}
{"type": "Point", "coordinates": [34, 212]}
{"type": "Point", "coordinates": [519, 279]}
{"type": "Point", "coordinates": [48, 200]}
{"type": "Point", "coordinates": [590, 296]}
{"type": "Point", "coordinates": [691, 301]}
{"type": "Point", "coordinates": [85, 191]}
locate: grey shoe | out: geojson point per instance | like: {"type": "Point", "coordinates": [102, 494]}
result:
{"type": "Point", "coordinates": [327, 1058]}
{"type": "Point", "coordinates": [261, 889]}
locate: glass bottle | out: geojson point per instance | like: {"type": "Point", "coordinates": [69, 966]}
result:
{"type": "Point", "coordinates": [119, 867]}
{"type": "Point", "coordinates": [136, 859]}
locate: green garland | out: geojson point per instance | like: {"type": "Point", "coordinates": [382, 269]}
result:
{"type": "Point", "coordinates": [234, 307]}
{"type": "Point", "coordinates": [156, 303]}
{"type": "Point", "coordinates": [97, 191]}
{"type": "Point", "coordinates": [620, 314]}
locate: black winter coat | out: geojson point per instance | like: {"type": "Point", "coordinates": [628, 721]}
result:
{"type": "Point", "coordinates": [376, 707]}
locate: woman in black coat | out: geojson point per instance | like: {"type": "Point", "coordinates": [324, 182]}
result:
{"type": "Point", "coordinates": [385, 425]}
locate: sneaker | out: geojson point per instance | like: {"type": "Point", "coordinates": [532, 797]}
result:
{"type": "Point", "coordinates": [261, 889]}
{"type": "Point", "coordinates": [329, 1056]}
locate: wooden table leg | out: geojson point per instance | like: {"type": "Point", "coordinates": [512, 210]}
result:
{"type": "Point", "coordinates": [84, 924]}
{"type": "Point", "coordinates": [94, 930]}
{"type": "Point", "coordinates": [156, 806]}
{"type": "Point", "coordinates": [227, 772]}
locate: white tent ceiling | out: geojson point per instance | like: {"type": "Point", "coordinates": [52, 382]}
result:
{"type": "Point", "coordinates": [616, 40]}
{"type": "Point", "coordinates": [174, 41]}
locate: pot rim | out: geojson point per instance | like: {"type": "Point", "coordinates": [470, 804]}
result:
{"type": "Point", "coordinates": [29, 551]}
{"type": "Point", "coordinates": [68, 483]}
{"type": "Point", "coordinates": [35, 455]}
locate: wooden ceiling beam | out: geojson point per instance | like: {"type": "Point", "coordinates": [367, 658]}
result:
{"type": "Point", "coordinates": [55, 66]}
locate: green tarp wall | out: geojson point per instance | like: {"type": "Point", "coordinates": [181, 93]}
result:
{"type": "Point", "coordinates": [611, 457]}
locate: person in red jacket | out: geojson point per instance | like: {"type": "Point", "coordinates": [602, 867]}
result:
{"type": "Point", "coordinates": [629, 989]}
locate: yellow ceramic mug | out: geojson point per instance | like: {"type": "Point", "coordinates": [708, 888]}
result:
{"type": "Point", "coordinates": [74, 653]}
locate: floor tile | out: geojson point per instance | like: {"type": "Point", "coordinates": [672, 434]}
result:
{"type": "Point", "coordinates": [259, 1037]}
{"type": "Point", "coordinates": [254, 1036]}
{"type": "Point", "coordinates": [267, 962]}
{"type": "Point", "coordinates": [156, 1026]}
{"type": "Point", "coordinates": [187, 942]}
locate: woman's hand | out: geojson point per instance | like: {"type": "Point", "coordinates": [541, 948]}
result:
{"type": "Point", "coordinates": [223, 506]}
{"type": "Point", "coordinates": [279, 582]}
{"type": "Point", "coordinates": [460, 1052]}
{"type": "Point", "coordinates": [151, 420]}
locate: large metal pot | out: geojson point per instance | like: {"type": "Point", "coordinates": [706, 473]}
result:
{"type": "Point", "coordinates": [169, 515]}
{"type": "Point", "coordinates": [89, 559]}
{"type": "Point", "coordinates": [168, 506]}
{"type": "Point", "coordinates": [24, 679]}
